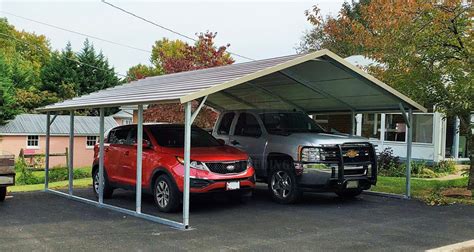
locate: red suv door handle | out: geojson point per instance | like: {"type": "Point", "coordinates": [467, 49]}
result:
{"type": "Point", "coordinates": [127, 153]}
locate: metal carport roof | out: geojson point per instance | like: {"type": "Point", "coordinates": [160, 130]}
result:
{"type": "Point", "coordinates": [315, 82]}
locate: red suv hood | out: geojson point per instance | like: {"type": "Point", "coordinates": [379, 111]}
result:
{"type": "Point", "coordinates": [207, 154]}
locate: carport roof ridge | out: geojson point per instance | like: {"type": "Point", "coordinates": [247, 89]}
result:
{"type": "Point", "coordinates": [225, 86]}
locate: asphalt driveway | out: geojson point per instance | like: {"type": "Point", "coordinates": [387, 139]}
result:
{"type": "Point", "coordinates": [41, 221]}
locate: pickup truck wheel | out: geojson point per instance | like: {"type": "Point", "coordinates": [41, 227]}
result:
{"type": "Point", "coordinates": [108, 190]}
{"type": "Point", "coordinates": [3, 193]}
{"type": "Point", "coordinates": [349, 193]}
{"type": "Point", "coordinates": [166, 194]}
{"type": "Point", "coordinates": [283, 185]}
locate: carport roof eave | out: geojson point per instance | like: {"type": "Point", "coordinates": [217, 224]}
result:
{"type": "Point", "coordinates": [324, 52]}
{"type": "Point", "coordinates": [103, 105]}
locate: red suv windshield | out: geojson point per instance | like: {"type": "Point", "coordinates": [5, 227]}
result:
{"type": "Point", "coordinates": [173, 136]}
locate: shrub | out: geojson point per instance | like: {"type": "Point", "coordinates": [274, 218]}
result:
{"type": "Point", "coordinates": [445, 166]}
{"type": "Point", "coordinates": [388, 164]}
{"type": "Point", "coordinates": [61, 174]}
{"type": "Point", "coordinates": [26, 176]}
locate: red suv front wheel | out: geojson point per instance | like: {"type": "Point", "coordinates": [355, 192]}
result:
{"type": "Point", "coordinates": [166, 194]}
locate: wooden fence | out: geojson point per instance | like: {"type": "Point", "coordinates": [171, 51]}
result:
{"type": "Point", "coordinates": [36, 161]}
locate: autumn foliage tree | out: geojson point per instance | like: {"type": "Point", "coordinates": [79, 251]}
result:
{"type": "Point", "coordinates": [426, 48]}
{"type": "Point", "coordinates": [173, 56]}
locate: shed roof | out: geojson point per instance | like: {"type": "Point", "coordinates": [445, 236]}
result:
{"type": "Point", "coordinates": [315, 82]}
{"type": "Point", "coordinates": [34, 124]}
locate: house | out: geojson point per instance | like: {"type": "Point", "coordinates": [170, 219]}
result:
{"type": "Point", "coordinates": [27, 132]}
{"type": "Point", "coordinates": [435, 136]}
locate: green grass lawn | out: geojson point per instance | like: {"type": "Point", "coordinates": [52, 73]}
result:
{"type": "Point", "coordinates": [40, 174]}
{"type": "Point", "coordinates": [424, 189]}
{"type": "Point", "coordinates": [78, 183]}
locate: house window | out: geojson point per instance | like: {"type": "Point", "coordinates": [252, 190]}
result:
{"type": "Point", "coordinates": [423, 128]}
{"type": "Point", "coordinates": [395, 128]}
{"type": "Point", "coordinates": [32, 142]}
{"type": "Point", "coordinates": [126, 121]}
{"type": "Point", "coordinates": [91, 141]}
{"type": "Point", "coordinates": [371, 126]}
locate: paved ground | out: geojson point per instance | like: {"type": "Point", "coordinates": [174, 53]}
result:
{"type": "Point", "coordinates": [40, 221]}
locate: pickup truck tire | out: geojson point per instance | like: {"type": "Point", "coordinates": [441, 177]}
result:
{"type": "Point", "coordinates": [349, 193]}
{"type": "Point", "coordinates": [3, 193]}
{"type": "Point", "coordinates": [166, 194]}
{"type": "Point", "coordinates": [108, 189]}
{"type": "Point", "coordinates": [282, 183]}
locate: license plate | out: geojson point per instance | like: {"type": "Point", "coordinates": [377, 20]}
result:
{"type": "Point", "coordinates": [352, 184]}
{"type": "Point", "coordinates": [232, 185]}
{"type": "Point", "coordinates": [6, 180]}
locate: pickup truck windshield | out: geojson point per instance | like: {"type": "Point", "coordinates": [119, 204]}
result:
{"type": "Point", "coordinates": [174, 137]}
{"type": "Point", "coordinates": [276, 123]}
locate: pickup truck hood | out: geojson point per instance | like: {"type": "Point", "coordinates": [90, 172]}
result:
{"type": "Point", "coordinates": [315, 139]}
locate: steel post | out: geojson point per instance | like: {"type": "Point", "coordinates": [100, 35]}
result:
{"type": "Point", "coordinates": [71, 152]}
{"type": "Point", "coordinates": [409, 149]}
{"type": "Point", "coordinates": [46, 158]}
{"type": "Point", "coordinates": [139, 159]}
{"type": "Point", "coordinates": [187, 161]}
{"type": "Point", "coordinates": [101, 157]}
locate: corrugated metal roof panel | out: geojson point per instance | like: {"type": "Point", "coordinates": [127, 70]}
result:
{"type": "Point", "coordinates": [35, 124]}
{"type": "Point", "coordinates": [324, 72]}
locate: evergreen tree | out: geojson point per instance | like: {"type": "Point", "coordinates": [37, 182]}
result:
{"type": "Point", "coordinates": [94, 73]}
{"type": "Point", "coordinates": [7, 99]}
{"type": "Point", "coordinates": [60, 74]}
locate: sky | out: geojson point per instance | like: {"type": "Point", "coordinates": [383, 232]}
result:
{"type": "Point", "coordinates": [255, 29]}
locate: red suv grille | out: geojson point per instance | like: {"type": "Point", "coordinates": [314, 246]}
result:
{"type": "Point", "coordinates": [227, 167]}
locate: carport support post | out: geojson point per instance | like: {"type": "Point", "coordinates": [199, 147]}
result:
{"type": "Point", "coordinates": [101, 157]}
{"type": "Point", "coordinates": [409, 146]}
{"type": "Point", "coordinates": [71, 152]}
{"type": "Point", "coordinates": [46, 158]}
{"type": "Point", "coordinates": [139, 159]}
{"type": "Point", "coordinates": [187, 161]}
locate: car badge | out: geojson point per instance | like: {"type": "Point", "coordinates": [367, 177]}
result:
{"type": "Point", "coordinates": [352, 153]}
{"type": "Point", "coordinates": [230, 167]}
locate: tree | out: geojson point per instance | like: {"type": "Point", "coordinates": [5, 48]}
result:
{"type": "Point", "coordinates": [426, 48]}
{"type": "Point", "coordinates": [141, 71]}
{"type": "Point", "coordinates": [94, 72]}
{"type": "Point", "coordinates": [8, 108]}
{"type": "Point", "coordinates": [172, 56]}
{"type": "Point", "coordinates": [203, 54]}
{"type": "Point", "coordinates": [59, 75]}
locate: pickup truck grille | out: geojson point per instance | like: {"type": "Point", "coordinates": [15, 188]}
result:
{"type": "Point", "coordinates": [227, 167]}
{"type": "Point", "coordinates": [353, 154]}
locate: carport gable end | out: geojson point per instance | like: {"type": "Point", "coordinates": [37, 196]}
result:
{"type": "Point", "coordinates": [324, 55]}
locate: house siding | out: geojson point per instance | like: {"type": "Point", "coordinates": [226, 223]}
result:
{"type": "Point", "coordinates": [82, 156]}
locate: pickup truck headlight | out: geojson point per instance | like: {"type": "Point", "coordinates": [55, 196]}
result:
{"type": "Point", "coordinates": [310, 154]}
{"type": "Point", "coordinates": [194, 164]}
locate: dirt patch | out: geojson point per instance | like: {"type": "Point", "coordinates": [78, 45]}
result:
{"type": "Point", "coordinates": [457, 193]}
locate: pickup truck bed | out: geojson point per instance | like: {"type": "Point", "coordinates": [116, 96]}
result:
{"type": "Point", "coordinates": [7, 173]}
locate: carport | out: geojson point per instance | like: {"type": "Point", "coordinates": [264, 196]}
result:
{"type": "Point", "coordinates": [317, 82]}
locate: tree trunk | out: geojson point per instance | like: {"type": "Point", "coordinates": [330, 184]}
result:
{"type": "Point", "coordinates": [470, 184]}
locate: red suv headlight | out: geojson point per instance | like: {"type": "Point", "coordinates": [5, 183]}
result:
{"type": "Point", "coordinates": [194, 164]}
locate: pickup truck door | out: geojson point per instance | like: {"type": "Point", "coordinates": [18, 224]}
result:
{"type": "Point", "coordinates": [222, 131]}
{"type": "Point", "coordinates": [247, 135]}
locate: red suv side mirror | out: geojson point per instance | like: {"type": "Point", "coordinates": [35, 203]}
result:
{"type": "Point", "coordinates": [146, 144]}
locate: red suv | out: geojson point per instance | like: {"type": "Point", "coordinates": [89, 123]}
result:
{"type": "Point", "coordinates": [215, 167]}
